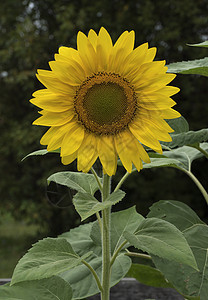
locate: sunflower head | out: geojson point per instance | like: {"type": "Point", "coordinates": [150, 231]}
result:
{"type": "Point", "coordinates": [104, 101]}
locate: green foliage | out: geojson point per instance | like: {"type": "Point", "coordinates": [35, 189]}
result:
{"type": "Point", "coordinates": [158, 237]}
{"type": "Point", "coordinates": [197, 66]}
{"type": "Point", "coordinates": [203, 44]}
{"type": "Point", "coordinates": [188, 281]}
{"type": "Point", "coordinates": [86, 205]}
{"type": "Point", "coordinates": [175, 210]}
{"type": "Point", "coordinates": [53, 288]}
{"type": "Point", "coordinates": [83, 183]}
{"type": "Point", "coordinates": [45, 259]}
{"type": "Point", "coordinates": [148, 275]}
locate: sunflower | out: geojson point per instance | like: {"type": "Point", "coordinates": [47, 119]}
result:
{"type": "Point", "coordinates": [105, 101]}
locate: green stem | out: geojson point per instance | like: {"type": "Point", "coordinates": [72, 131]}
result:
{"type": "Point", "coordinates": [117, 252]}
{"type": "Point", "coordinates": [121, 181]}
{"type": "Point", "coordinates": [201, 150]}
{"type": "Point", "coordinates": [97, 179]}
{"type": "Point", "coordinates": [94, 274]}
{"type": "Point", "coordinates": [139, 255]}
{"type": "Point", "coordinates": [197, 182]}
{"type": "Point", "coordinates": [106, 247]}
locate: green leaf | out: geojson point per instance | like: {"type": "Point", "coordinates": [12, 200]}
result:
{"type": "Point", "coordinates": [187, 138]}
{"type": "Point", "coordinates": [163, 239]}
{"type": "Point", "coordinates": [54, 288]}
{"type": "Point", "coordinates": [197, 66]}
{"type": "Point", "coordinates": [188, 281]}
{"type": "Point", "coordinates": [175, 212]}
{"type": "Point", "coordinates": [40, 152]}
{"type": "Point", "coordinates": [80, 277]}
{"type": "Point", "coordinates": [148, 275]}
{"type": "Point", "coordinates": [178, 158]}
{"type": "Point", "coordinates": [46, 258]}
{"type": "Point", "coordinates": [81, 241]}
{"type": "Point", "coordinates": [203, 44]}
{"type": "Point", "coordinates": [186, 155]}
{"type": "Point", "coordinates": [125, 220]}
{"type": "Point", "coordinates": [178, 124]}
{"type": "Point", "coordinates": [82, 282]}
{"type": "Point", "coordinates": [86, 205]}
{"type": "Point", "coordinates": [78, 181]}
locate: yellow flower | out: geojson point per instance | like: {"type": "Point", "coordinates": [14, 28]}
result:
{"type": "Point", "coordinates": [104, 101]}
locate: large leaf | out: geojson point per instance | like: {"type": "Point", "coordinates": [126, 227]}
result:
{"type": "Point", "coordinates": [197, 66]}
{"type": "Point", "coordinates": [175, 212]}
{"type": "Point", "coordinates": [81, 182]}
{"type": "Point", "coordinates": [187, 138]}
{"type": "Point", "coordinates": [163, 239]}
{"type": "Point", "coordinates": [54, 288]}
{"type": "Point", "coordinates": [82, 281]}
{"type": "Point", "coordinates": [178, 158]}
{"type": "Point", "coordinates": [125, 220]}
{"type": "Point", "coordinates": [40, 152]}
{"type": "Point", "coordinates": [148, 275]}
{"type": "Point", "coordinates": [46, 258]}
{"type": "Point", "coordinates": [82, 239]}
{"type": "Point", "coordinates": [86, 205]}
{"type": "Point", "coordinates": [188, 281]}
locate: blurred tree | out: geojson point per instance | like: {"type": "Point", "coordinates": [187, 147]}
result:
{"type": "Point", "coordinates": [31, 32]}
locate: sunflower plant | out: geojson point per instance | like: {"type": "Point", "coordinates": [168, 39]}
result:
{"type": "Point", "coordinates": [110, 104]}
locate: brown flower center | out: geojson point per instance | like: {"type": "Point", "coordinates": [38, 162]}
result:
{"type": "Point", "coordinates": [105, 103]}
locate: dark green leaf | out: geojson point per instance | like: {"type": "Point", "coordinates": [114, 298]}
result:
{"type": "Point", "coordinates": [175, 212]}
{"type": "Point", "coordinates": [86, 205]}
{"type": "Point", "coordinates": [46, 258]}
{"type": "Point", "coordinates": [125, 220]}
{"type": "Point", "coordinates": [148, 275]}
{"type": "Point", "coordinates": [178, 125]}
{"type": "Point", "coordinates": [197, 66]}
{"type": "Point", "coordinates": [81, 182]}
{"type": "Point", "coordinates": [187, 138]}
{"type": "Point", "coordinates": [54, 288]}
{"type": "Point", "coordinates": [189, 281]}
{"type": "Point", "coordinates": [82, 281]}
{"type": "Point", "coordinates": [163, 239]}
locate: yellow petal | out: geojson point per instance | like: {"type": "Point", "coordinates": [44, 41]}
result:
{"type": "Point", "coordinates": [107, 154]}
{"type": "Point", "coordinates": [104, 48]}
{"type": "Point", "coordinates": [154, 84]}
{"type": "Point", "coordinates": [72, 139]}
{"type": "Point", "coordinates": [54, 84]}
{"type": "Point", "coordinates": [87, 53]}
{"type": "Point", "coordinates": [86, 152]}
{"type": "Point", "coordinates": [46, 138]}
{"type": "Point", "coordinates": [130, 150]}
{"type": "Point", "coordinates": [144, 136]}
{"type": "Point", "coordinates": [154, 101]}
{"type": "Point", "coordinates": [53, 102]}
{"type": "Point", "coordinates": [70, 54]}
{"type": "Point", "coordinates": [67, 73]}
{"type": "Point", "coordinates": [150, 55]}
{"type": "Point", "coordinates": [121, 50]}
{"type": "Point", "coordinates": [92, 36]}
{"type": "Point", "coordinates": [54, 119]}
{"type": "Point", "coordinates": [66, 160]}
{"type": "Point", "coordinates": [169, 114]}
{"type": "Point", "coordinates": [57, 138]}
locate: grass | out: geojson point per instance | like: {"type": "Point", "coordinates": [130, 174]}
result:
{"type": "Point", "coordinates": [15, 239]}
